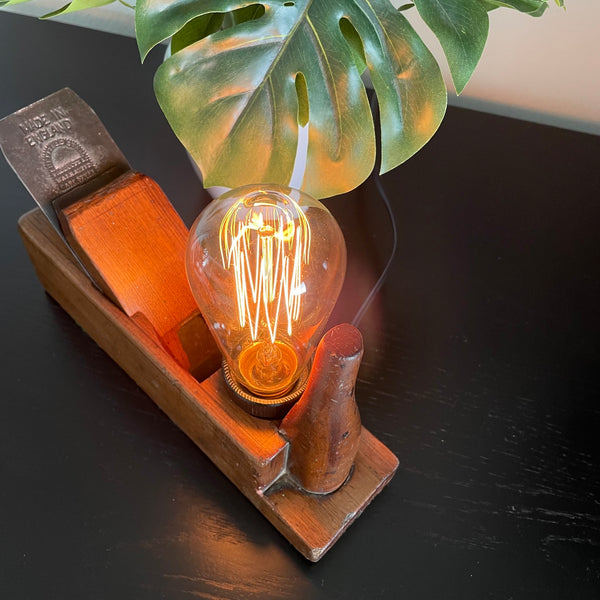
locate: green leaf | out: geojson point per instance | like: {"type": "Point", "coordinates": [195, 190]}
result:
{"type": "Point", "coordinates": [355, 44]}
{"type": "Point", "coordinates": [210, 23]}
{"type": "Point", "coordinates": [195, 30]}
{"type": "Point", "coordinates": [461, 26]}
{"type": "Point", "coordinates": [75, 6]}
{"type": "Point", "coordinates": [248, 13]}
{"type": "Point", "coordinates": [11, 2]}
{"type": "Point", "coordinates": [235, 98]}
{"type": "Point", "coordinates": [534, 8]}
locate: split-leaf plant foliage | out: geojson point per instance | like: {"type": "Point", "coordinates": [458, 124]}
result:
{"type": "Point", "coordinates": [244, 75]}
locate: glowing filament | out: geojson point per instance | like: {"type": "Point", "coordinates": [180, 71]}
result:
{"type": "Point", "coordinates": [266, 242]}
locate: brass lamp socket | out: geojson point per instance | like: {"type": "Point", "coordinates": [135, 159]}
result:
{"type": "Point", "coordinates": [265, 408]}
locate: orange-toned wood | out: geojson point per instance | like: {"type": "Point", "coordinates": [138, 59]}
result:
{"type": "Point", "coordinates": [314, 522]}
{"type": "Point", "coordinates": [234, 440]}
{"type": "Point", "coordinates": [323, 427]}
{"type": "Point", "coordinates": [132, 242]}
{"type": "Point", "coordinates": [250, 452]}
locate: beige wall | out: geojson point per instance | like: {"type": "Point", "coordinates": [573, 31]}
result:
{"type": "Point", "coordinates": [545, 70]}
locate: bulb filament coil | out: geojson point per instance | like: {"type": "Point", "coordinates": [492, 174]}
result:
{"type": "Point", "coordinates": [266, 241]}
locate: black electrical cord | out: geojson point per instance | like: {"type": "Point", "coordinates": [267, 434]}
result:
{"type": "Point", "coordinates": [386, 201]}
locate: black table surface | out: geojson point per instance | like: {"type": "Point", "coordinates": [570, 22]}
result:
{"type": "Point", "coordinates": [480, 373]}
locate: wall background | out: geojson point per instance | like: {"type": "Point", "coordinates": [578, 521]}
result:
{"type": "Point", "coordinates": [545, 70]}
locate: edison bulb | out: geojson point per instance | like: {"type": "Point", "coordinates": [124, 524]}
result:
{"type": "Point", "coordinates": [265, 265]}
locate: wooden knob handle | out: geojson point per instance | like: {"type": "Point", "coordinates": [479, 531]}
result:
{"type": "Point", "coordinates": [323, 428]}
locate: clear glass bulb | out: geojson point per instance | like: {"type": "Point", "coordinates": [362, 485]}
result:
{"type": "Point", "coordinates": [266, 265]}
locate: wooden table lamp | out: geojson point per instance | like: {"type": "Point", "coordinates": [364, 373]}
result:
{"type": "Point", "coordinates": [109, 247]}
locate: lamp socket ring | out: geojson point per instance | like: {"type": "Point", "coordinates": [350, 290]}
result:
{"type": "Point", "coordinates": [265, 408]}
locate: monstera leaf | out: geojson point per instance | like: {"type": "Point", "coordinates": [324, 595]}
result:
{"type": "Point", "coordinates": [461, 26]}
{"type": "Point", "coordinates": [237, 97]}
{"type": "Point", "coordinates": [246, 76]}
{"type": "Point", "coordinates": [73, 6]}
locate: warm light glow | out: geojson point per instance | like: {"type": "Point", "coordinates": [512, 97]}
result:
{"type": "Point", "coordinates": [267, 245]}
{"type": "Point", "coordinates": [265, 265]}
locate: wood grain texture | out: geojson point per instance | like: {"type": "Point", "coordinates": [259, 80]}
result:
{"type": "Point", "coordinates": [238, 442]}
{"type": "Point", "coordinates": [480, 372]}
{"type": "Point", "coordinates": [323, 427]}
{"type": "Point", "coordinates": [251, 452]}
{"type": "Point", "coordinates": [132, 241]}
{"type": "Point", "coordinates": [323, 518]}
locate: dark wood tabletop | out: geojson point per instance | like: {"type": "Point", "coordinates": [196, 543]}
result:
{"type": "Point", "coordinates": [481, 373]}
